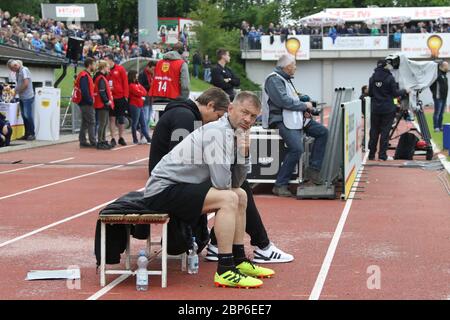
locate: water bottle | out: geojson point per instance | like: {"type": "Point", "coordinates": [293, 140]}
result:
{"type": "Point", "coordinates": [141, 273]}
{"type": "Point", "coordinates": [193, 258]}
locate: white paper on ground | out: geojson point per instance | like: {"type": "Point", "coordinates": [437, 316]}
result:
{"type": "Point", "coordinates": [71, 274]}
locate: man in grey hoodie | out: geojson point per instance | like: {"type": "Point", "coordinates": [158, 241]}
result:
{"type": "Point", "coordinates": [203, 174]}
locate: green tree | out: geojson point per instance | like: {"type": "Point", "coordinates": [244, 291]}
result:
{"type": "Point", "coordinates": [210, 36]}
{"type": "Point", "coordinates": [32, 7]}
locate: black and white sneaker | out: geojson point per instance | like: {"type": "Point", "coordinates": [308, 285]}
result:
{"type": "Point", "coordinates": [271, 255]}
{"type": "Point", "coordinates": [212, 253]}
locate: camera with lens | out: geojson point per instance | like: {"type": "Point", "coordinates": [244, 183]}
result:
{"type": "Point", "coordinates": [315, 111]}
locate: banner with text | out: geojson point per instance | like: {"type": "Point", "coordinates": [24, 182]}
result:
{"type": "Point", "coordinates": [426, 45]}
{"type": "Point", "coordinates": [295, 45]}
{"type": "Point", "coordinates": [355, 43]}
{"type": "Point", "coordinates": [353, 138]}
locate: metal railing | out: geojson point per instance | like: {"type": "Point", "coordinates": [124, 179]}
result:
{"type": "Point", "coordinates": [316, 42]}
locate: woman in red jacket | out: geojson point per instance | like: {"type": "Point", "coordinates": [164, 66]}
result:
{"type": "Point", "coordinates": [136, 102]}
{"type": "Point", "coordinates": [103, 102]}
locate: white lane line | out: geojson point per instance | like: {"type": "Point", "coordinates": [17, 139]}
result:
{"type": "Point", "coordinates": [34, 166]}
{"type": "Point", "coordinates": [70, 179]}
{"type": "Point", "coordinates": [321, 278]}
{"type": "Point", "coordinates": [130, 146]}
{"type": "Point", "coordinates": [120, 279]}
{"type": "Point", "coordinates": [62, 160]}
{"type": "Point", "coordinates": [78, 215]}
{"type": "Point", "coordinates": [109, 287]}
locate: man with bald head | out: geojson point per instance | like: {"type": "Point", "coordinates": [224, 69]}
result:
{"type": "Point", "coordinates": [439, 89]}
{"type": "Point", "coordinates": [284, 111]}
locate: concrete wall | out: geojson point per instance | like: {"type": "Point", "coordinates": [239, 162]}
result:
{"type": "Point", "coordinates": [319, 77]}
{"type": "Point", "coordinates": [39, 75]}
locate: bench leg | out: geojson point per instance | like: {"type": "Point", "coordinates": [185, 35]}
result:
{"type": "Point", "coordinates": [164, 257]}
{"type": "Point", "coordinates": [102, 254]}
{"type": "Point", "coordinates": [183, 262]}
{"type": "Point", "coordinates": [149, 241]}
{"type": "Point", "coordinates": [127, 251]}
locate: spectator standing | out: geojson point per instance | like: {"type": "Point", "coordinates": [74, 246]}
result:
{"type": "Point", "coordinates": [84, 84]}
{"type": "Point", "coordinates": [171, 79]}
{"type": "Point", "coordinates": [439, 89]}
{"type": "Point", "coordinates": [24, 88]}
{"type": "Point", "coordinates": [207, 69]}
{"type": "Point", "coordinates": [118, 82]}
{"type": "Point", "coordinates": [137, 98]}
{"type": "Point", "coordinates": [103, 103]}
{"type": "Point", "coordinates": [222, 76]}
{"type": "Point", "coordinates": [196, 62]}
{"type": "Point", "coordinates": [146, 79]}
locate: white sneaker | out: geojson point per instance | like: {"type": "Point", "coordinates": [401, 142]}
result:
{"type": "Point", "coordinates": [212, 253]}
{"type": "Point", "coordinates": [271, 255]}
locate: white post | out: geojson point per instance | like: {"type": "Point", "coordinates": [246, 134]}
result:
{"type": "Point", "coordinates": [102, 254]}
{"type": "Point", "coordinates": [164, 257]}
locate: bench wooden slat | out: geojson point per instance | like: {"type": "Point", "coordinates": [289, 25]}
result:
{"type": "Point", "coordinates": [134, 218]}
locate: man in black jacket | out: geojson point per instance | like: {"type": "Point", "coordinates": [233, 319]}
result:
{"type": "Point", "coordinates": [222, 76]}
{"type": "Point", "coordinates": [439, 89]}
{"type": "Point", "coordinates": [382, 89]}
{"type": "Point", "coordinates": [179, 119]}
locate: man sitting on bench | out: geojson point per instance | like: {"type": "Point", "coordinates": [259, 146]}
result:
{"type": "Point", "coordinates": [203, 174]}
{"type": "Point", "coordinates": [180, 118]}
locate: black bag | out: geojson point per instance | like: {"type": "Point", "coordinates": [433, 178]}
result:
{"type": "Point", "coordinates": [180, 233]}
{"type": "Point", "coordinates": [406, 146]}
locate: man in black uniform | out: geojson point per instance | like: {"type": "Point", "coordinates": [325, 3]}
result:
{"type": "Point", "coordinates": [222, 76]}
{"type": "Point", "coordinates": [382, 89]}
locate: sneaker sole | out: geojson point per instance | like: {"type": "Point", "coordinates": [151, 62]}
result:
{"type": "Point", "coordinates": [213, 259]}
{"type": "Point", "coordinates": [219, 285]}
{"type": "Point", "coordinates": [271, 261]}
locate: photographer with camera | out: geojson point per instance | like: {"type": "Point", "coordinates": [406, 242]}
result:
{"type": "Point", "coordinates": [283, 109]}
{"type": "Point", "coordinates": [383, 89]}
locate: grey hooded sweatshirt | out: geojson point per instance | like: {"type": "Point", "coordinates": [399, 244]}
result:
{"type": "Point", "coordinates": [208, 153]}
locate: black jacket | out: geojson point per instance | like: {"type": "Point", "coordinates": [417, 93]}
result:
{"type": "Point", "coordinates": [383, 89]}
{"type": "Point", "coordinates": [218, 74]}
{"type": "Point", "coordinates": [177, 115]}
{"type": "Point", "coordinates": [439, 88]}
{"type": "Point", "coordinates": [179, 234]}
{"type": "Point", "coordinates": [86, 99]}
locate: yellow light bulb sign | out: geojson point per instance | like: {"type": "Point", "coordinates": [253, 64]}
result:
{"type": "Point", "coordinates": [45, 103]}
{"type": "Point", "coordinates": [292, 46]}
{"type": "Point", "coordinates": [434, 43]}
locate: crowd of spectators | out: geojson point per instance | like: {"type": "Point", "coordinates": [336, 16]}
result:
{"type": "Point", "coordinates": [51, 37]}
{"type": "Point", "coordinates": [251, 35]}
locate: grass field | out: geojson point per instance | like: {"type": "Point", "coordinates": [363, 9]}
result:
{"type": "Point", "coordinates": [67, 84]}
{"type": "Point", "coordinates": [438, 136]}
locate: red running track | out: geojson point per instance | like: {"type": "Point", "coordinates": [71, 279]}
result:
{"type": "Point", "coordinates": [400, 228]}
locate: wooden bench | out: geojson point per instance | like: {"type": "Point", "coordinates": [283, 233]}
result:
{"type": "Point", "coordinates": [129, 220]}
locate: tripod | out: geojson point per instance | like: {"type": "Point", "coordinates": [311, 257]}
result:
{"type": "Point", "coordinates": [423, 125]}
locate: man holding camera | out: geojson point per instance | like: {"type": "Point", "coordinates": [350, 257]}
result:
{"type": "Point", "coordinates": [285, 111]}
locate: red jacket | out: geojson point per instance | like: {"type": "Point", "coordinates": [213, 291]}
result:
{"type": "Point", "coordinates": [166, 82]}
{"type": "Point", "coordinates": [137, 93]}
{"type": "Point", "coordinates": [98, 101]}
{"type": "Point", "coordinates": [118, 76]}
{"type": "Point", "coordinates": [78, 96]}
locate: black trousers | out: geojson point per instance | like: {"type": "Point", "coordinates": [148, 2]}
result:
{"type": "Point", "coordinates": [380, 126]}
{"type": "Point", "coordinates": [254, 226]}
